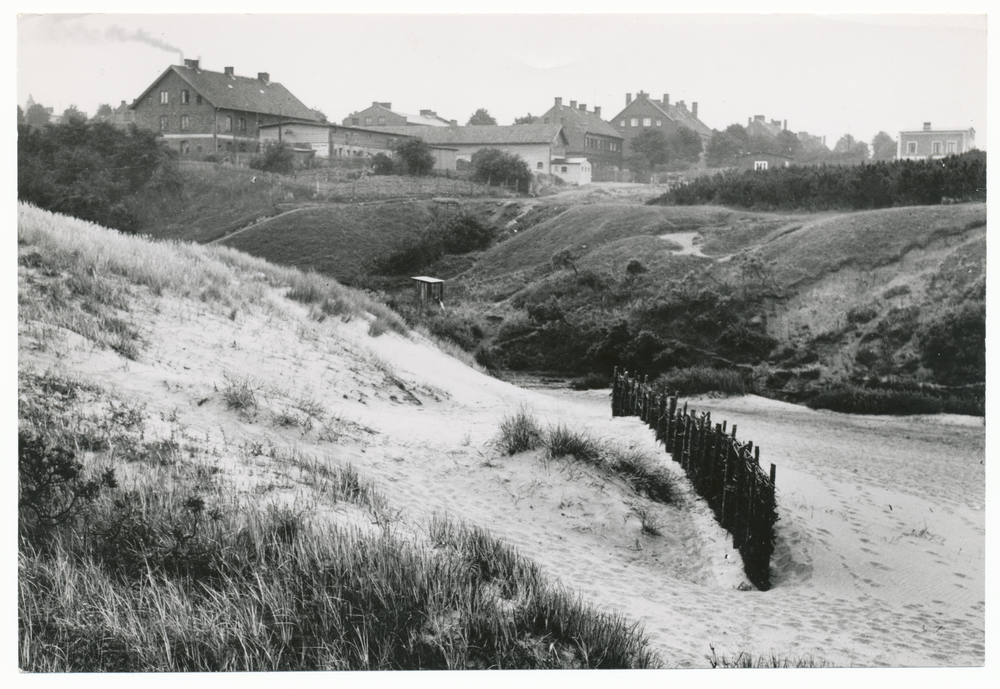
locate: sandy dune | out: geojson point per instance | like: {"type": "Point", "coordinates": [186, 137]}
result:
{"type": "Point", "coordinates": [881, 544]}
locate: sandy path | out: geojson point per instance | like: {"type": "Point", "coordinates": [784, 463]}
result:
{"type": "Point", "coordinates": [880, 553]}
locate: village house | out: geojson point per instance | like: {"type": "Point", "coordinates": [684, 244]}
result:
{"type": "Point", "coordinates": [334, 141]}
{"type": "Point", "coordinates": [537, 144]}
{"type": "Point", "coordinates": [760, 127]}
{"type": "Point", "coordinates": [643, 113]}
{"type": "Point", "coordinates": [199, 112]}
{"type": "Point", "coordinates": [587, 136]}
{"type": "Point", "coordinates": [934, 143]}
{"type": "Point", "coordinates": [382, 115]}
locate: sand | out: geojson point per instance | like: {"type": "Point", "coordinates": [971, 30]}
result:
{"type": "Point", "coordinates": [880, 559]}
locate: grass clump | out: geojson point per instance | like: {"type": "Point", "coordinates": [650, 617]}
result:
{"type": "Point", "coordinates": [519, 432]}
{"type": "Point", "coordinates": [700, 380]}
{"type": "Point", "coordinates": [240, 392]}
{"type": "Point", "coordinates": [645, 477]}
{"type": "Point", "coordinates": [744, 659]}
{"type": "Point", "coordinates": [562, 441]}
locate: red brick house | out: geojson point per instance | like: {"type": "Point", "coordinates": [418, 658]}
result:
{"type": "Point", "coordinates": [588, 136]}
{"type": "Point", "coordinates": [644, 113]}
{"type": "Point", "coordinates": [200, 112]}
{"type": "Point", "coordinates": [382, 115]}
{"type": "Point", "coordinates": [934, 143]}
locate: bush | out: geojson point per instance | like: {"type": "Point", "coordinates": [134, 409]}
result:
{"type": "Point", "coordinates": [459, 234]}
{"type": "Point", "coordinates": [519, 432]}
{"type": "Point", "coordinates": [495, 167]}
{"type": "Point", "coordinates": [954, 346]}
{"type": "Point", "coordinates": [700, 380]}
{"type": "Point", "coordinates": [276, 157]}
{"type": "Point", "coordinates": [413, 157]}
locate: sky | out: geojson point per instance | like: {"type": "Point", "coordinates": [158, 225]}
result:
{"type": "Point", "coordinates": [826, 74]}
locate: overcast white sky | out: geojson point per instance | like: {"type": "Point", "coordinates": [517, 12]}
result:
{"type": "Point", "coordinates": [825, 74]}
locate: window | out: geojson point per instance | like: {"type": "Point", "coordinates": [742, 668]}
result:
{"type": "Point", "coordinates": [243, 146]}
{"type": "Point", "coordinates": [564, 169]}
{"type": "Point", "coordinates": [760, 165]}
{"type": "Point", "coordinates": [659, 123]}
{"type": "Point", "coordinates": [185, 123]}
{"type": "Point", "coordinates": [197, 99]}
{"type": "Point", "coordinates": [354, 121]}
{"type": "Point", "coordinates": [541, 165]}
{"type": "Point", "coordinates": [164, 98]}
{"type": "Point", "coordinates": [164, 121]}
{"type": "Point", "coordinates": [368, 120]}
{"type": "Point", "coordinates": [622, 123]}
{"type": "Point", "coordinates": [911, 148]}
{"type": "Point", "coordinates": [185, 97]}
{"type": "Point", "coordinates": [634, 122]}
{"type": "Point", "coordinates": [381, 121]}
{"type": "Point", "coordinates": [646, 121]}
{"type": "Point", "coordinates": [229, 123]}
{"type": "Point", "coordinates": [936, 148]}
{"type": "Point", "coordinates": [185, 147]}
{"type": "Point", "coordinates": [243, 124]}
{"type": "Point", "coordinates": [952, 147]}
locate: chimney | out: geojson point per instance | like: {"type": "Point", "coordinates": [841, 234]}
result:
{"type": "Point", "coordinates": [428, 113]}
{"type": "Point", "coordinates": [583, 106]}
{"type": "Point", "coordinates": [123, 103]}
{"type": "Point", "coordinates": [749, 121]}
{"type": "Point", "coordinates": [558, 101]}
{"type": "Point", "coordinates": [193, 64]}
{"type": "Point", "coordinates": [628, 98]}
{"type": "Point", "coordinates": [666, 100]}
{"type": "Point", "coordinates": [264, 76]}
{"type": "Point", "coordinates": [597, 110]}
{"type": "Point", "coordinates": [680, 104]}
{"type": "Point", "coordinates": [927, 126]}
{"type": "Point", "coordinates": [694, 110]}
{"type": "Point", "coordinates": [785, 125]}
{"type": "Point", "coordinates": [453, 123]}
{"type": "Point", "coordinates": [572, 104]}
{"type": "Point", "coordinates": [229, 71]}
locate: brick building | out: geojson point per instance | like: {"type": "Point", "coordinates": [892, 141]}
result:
{"type": "Point", "coordinates": [382, 115]}
{"type": "Point", "coordinates": [587, 136]}
{"type": "Point", "coordinates": [643, 113]}
{"type": "Point", "coordinates": [934, 143]}
{"type": "Point", "coordinates": [198, 112]}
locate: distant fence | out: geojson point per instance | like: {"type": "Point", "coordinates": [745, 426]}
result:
{"type": "Point", "coordinates": [724, 471]}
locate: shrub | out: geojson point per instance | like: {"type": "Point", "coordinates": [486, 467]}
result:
{"type": "Point", "coordinates": [277, 157]}
{"type": "Point", "coordinates": [495, 167]}
{"type": "Point", "coordinates": [699, 380]}
{"type": "Point", "coordinates": [656, 482]}
{"type": "Point", "coordinates": [413, 157]}
{"type": "Point", "coordinates": [561, 441]}
{"type": "Point", "coordinates": [953, 347]}
{"type": "Point", "coordinates": [519, 432]}
{"type": "Point", "coordinates": [382, 164]}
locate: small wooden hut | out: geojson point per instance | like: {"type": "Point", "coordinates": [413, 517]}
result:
{"type": "Point", "coordinates": [430, 289]}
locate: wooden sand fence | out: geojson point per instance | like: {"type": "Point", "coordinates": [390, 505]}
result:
{"type": "Point", "coordinates": [723, 470]}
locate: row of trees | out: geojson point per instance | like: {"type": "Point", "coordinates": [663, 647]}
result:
{"type": "Point", "coordinates": [93, 170]}
{"type": "Point", "coordinates": [727, 146]}
{"type": "Point", "coordinates": [37, 115]}
{"type": "Point", "coordinates": [652, 150]}
{"type": "Point", "coordinates": [828, 187]}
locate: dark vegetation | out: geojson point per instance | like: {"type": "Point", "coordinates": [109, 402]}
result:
{"type": "Point", "coordinates": [498, 168]}
{"type": "Point", "coordinates": [833, 187]}
{"type": "Point", "coordinates": [459, 234]}
{"type": "Point", "coordinates": [276, 157]}
{"type": "Point", "coordinates": [94, 171]}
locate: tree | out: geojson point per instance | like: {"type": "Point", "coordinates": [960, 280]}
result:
{"type": "Point", "coordinates": [651, 145]}
{"type": "Point", "coordinates": [104, 113]}
{"type": "Point", "coordinates": [481, 117]}
{"type": "Point", "coordinates": [73, 114]}
{"type": "Point", "coordinates": [788, 144]}
{"type": "Point", "coordinates": [527, 119]}
{"type": "Point", "coordinates": [320, 115]}
{"type": "Point", "coordinates": [38, 115]}
{"type": "Point", "coordinates": [684, 145]}
{"type": "Point", "coordinates": [277, 156]}
{"type": "Point", "coordinates": [739, 132]}
{"type": "Point", "coordinates": [850, 150]}
{"type": "Point", "coordinates": [20, 116]}
{"type": "Point", "coordinates": [883, 147]}
{"type": "Point", "coordinates": [496, 167]}
{"type": "Point", "coordinates": [414, 157]}
{"type": "Point", "coordinates": [723, 149]}
{"type": "Point", "coordinates": [382, 164]}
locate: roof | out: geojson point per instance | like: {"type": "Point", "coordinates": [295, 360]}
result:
{"type": "Point", "coordinates": [431, 119]}
{"type": "Point", "coordinates": [937, 131]}
{"type": "Point", "coordinates": [238, 93]}
{"type": "Point", "coordinates": [404, 131]}
{"type": "Point", "coordinates": [580, 122]}
{"type": "Point", "coordinates": [484, 134]}
{"type": "Point", "coordinates": [674, 113]}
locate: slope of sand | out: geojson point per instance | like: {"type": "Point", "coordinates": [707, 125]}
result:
{"type": "Point", "coordinates": [880, 554]}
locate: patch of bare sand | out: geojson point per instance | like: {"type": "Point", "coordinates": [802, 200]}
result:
{"type": "Point", "coordinates": [857, 582]}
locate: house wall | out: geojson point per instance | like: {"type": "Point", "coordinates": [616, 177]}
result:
{"type": "Point", "coordinates": [312, 136]}
{"type": "Point", "coordinates": [751, 162]}
{"type": "Point", "coordinates": [924, 140]}
{"type": "Point", "coordinates": [537, 156]}
{"type": "Point", "coordinates": [604, 152]}
{"type": "Point", "coordinates": [580, 173]}
{"type": "Point", "coordinates": [374, 116]}
{"type": "Point", "coordinates": [631, 122]}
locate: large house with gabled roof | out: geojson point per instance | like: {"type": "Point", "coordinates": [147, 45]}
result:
{"type": "Point", "coordinates": [382, 115]}
{"type": "Point", "coordinates": [198, 112]}
{"type": "Point", "coordinates": [643, 113]}
{"type": "Point", "coordinates": [588, 137]}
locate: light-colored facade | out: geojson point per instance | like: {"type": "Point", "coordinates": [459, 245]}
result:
{"type": "Point", "coordinates": [934, 143]}
{"type": "Point", "coordinates": [572, 170]}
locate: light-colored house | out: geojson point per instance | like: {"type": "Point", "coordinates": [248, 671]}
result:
{"type": "Point", "coordinates": [587, 136]}
{"type": "Point", "coordinates": [934, 143]}
{"type": "Point", "coordinates": [537, 144]}
{"type": "Point", "coordinates": [572, 170]}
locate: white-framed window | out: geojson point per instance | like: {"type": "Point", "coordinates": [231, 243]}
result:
{"type": "Point", "coordinates": [368, 120]}
{"type": "Point", "coordinates": [185, 97]}
{"type": "Point", "coordinates": [936, 148]}
{"type": "Point", "coordinates": [647, 122]}
{"type": "Point", "coordinates": [760, 165]}
{"type": "Point", "coordinates": [185, 123]}
{"type": "Point", "coordinates": [952, 147]}
{"type": "Point", "coordinates": [164, 123]}
{"type": "Point", "coordinates": [164, 98]}
{"type": "Point", "coordinates": [659, 123]}
{"type": "Point", "coordinates": [622, 124]}
{"type": "Point", "coordinates": [634, 122]}
{"type": "Point", "coordinates": [229, 123]}
{"type": "Point", "coordinates": [381, 121]}
{"type": "Point", "coordinates": [911, 148]}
